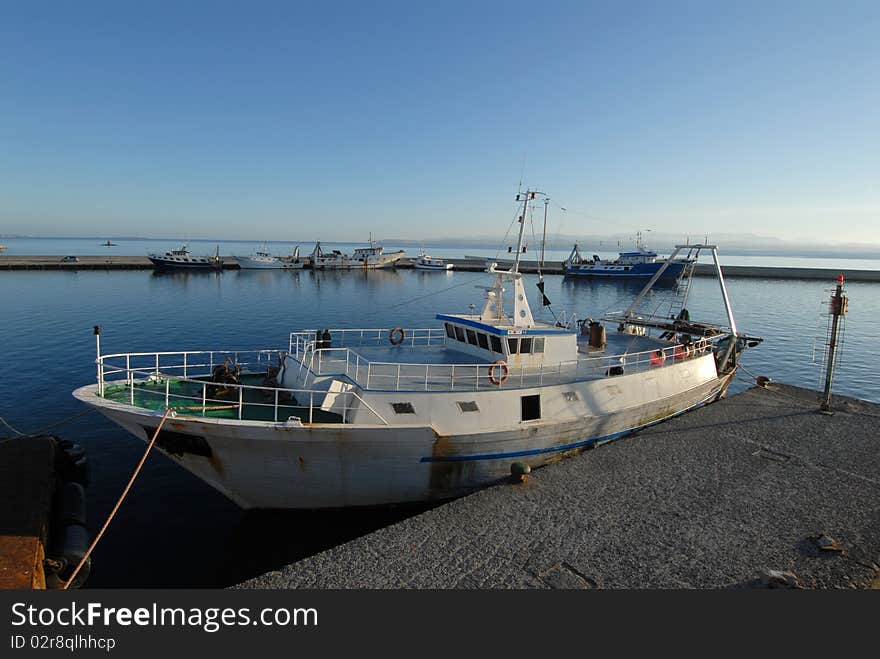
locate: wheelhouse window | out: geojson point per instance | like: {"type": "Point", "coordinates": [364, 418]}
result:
{"type": "Point", "coordinates": [513, 346]}
{"type": "Point", "coordinates": [538, 345]}
{"type": "Point", "coordinates": [450, 332]}
{"type": "Point", "coordinates": [531, 407]}
{"type": "Point", "coordinates": [483, 340]}
{"type": "Point", "coordinates": [496, 344]}
{"type": "Point", "coordinates": [525, 346]}
{"type": "Point", "coordinates": [472, 337]}
{"type": "Point", "coordinates": [459, 333]}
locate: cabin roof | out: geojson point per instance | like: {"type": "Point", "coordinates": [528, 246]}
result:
{"type": "Point", "coordinates": [507, 329]}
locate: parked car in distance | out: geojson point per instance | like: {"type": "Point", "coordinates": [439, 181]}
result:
{"type": "Point", "coordinates": [70, 259]}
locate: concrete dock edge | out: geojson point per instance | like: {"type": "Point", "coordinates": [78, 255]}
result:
{"type": "Point", "coordinates": [711, 499]}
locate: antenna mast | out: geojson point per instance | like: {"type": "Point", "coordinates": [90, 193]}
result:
{"type": "Point", "coordinates": [838, 307]}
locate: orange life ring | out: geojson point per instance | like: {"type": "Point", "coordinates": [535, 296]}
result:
{"type": "Point", "coordinates": [505, 372]}
{"type": "Point", "coordinates": [397, 332]}
{"type": "Point", "coordinates": [657, 358]}
{"type": "Point", "coordinates": [679, 353]}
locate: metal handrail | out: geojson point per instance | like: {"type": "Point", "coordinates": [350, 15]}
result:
{"type": "Point", "coordinates": [135, 375]}
{"type": "Point", "coordinates": [407, 376]}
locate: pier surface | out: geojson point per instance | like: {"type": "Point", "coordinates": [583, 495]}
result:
{"type": "Point", "coordinates": [710, 499]}
{"type": "Point", "coordinates": [11, 262]}
{"type": "Point", "coordinates": [27, 483]}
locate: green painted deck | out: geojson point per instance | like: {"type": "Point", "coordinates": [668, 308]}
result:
{"type": "Point", "coordinates": [185, 397]}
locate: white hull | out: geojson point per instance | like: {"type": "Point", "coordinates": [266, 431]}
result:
{"type": "Point", "coordinates": [258, 264]}
{"type": "Point", "coordinates": [348, 263]}
{"type": "Point", "coordinates": [280, 465]}
{"type": "Point", "coordinates": [443, 267]}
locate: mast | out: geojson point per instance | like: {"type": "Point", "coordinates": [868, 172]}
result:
{"type": "Point", "coordinates": [528, 196]}
{"type": "Point", "coordinates": [544, 234]}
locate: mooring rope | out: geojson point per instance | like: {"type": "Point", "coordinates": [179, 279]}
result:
{"type": "Point", "coordinates": [137, 471]}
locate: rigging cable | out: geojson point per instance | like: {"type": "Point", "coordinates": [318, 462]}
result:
{"type": "Point", "coordinates": [45, 428]}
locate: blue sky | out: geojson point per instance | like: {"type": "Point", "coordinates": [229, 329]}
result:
{"type": "Point", "coordinates": [297, 121]}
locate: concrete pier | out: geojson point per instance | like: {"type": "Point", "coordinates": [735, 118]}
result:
{"type": "Point", "coordinates": [712, 499]}
{"type": "Point", "coordinates": [27, 483]}
{"type": "Point", "coordinates": [8, 262]}
{"type": "Point", "coordinates": [701, 270]}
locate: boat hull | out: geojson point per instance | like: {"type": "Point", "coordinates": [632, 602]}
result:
{"type": "Point", "coordinates": [255, 264]}
{"type": "Point", "coordinates": [162, 264]}
{"type": "Point", "coordinates": [433, 266]}
{"type": "Point", "coordinates": [636, 271]}
{"type": "Point", "coordinates": [288, 465]}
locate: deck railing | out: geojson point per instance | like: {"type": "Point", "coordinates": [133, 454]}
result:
{"type": "Point", "coordinates": [196, 367]}
{"type": "Point", "coordinates": [353, 338]}
{"type": "Point", "coordinates": [132, 370]}
{"type": "Point", "coordinates": [405, 376]}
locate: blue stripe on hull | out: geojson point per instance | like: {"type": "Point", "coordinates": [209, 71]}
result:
{"type": "Point", "coordinates": [563, 447]}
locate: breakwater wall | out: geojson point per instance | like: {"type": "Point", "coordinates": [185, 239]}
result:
{"type": "Point", "coordinates": [11, 262]}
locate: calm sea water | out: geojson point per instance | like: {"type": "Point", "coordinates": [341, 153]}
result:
{"type": "Point", "coordinates": [175, 531]}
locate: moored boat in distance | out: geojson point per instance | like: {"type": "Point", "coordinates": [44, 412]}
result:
{"type": "Point", "coordinates": [368, 258]}
{"type": "Point", "coordinates": [108, 244]}
{"type": "Point", "coordinates": [263, 259]}
{"type": "Point", "coordinates": [358, 417]}
{"type": "Point", "coordinates": [177, 259]}
{"type": "Point", "coordinates": [428, 262]}
{"type": "Point", "coordinates": [639, 264]}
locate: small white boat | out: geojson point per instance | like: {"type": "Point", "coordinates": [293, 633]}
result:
{"type": "Point", "coordinates": [428, 262]}
{"type": "Point", "coordinates": [359, 417]}
{"type": "Point", "coordinates": [262, 259]}
{"type": "Point", "coordinates": [367, 258]}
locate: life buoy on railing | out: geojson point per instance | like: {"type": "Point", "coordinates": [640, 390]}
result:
{"type": "Point", "coordinates": [701, 346]}
{"type": "Point", "coordinates": [657, 358]}
{"type": "Point", "coordinates": [396, 336]}
{"type": "Point", "coordinates": [505, 371]}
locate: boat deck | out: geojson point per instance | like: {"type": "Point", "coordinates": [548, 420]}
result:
{"type": "Point", "coordinates": [198, 397]}
{"type": "Point", "coordinates": [440, 367]}
{"type": "Point", "coordinates": [617, 344]}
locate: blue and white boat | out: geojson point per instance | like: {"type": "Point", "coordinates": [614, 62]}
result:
{"type": "Point", "coordinates": [641, 263]}
{"type": "Point", "coordinates": [357, 417]}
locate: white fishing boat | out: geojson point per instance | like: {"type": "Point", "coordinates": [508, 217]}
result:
{"type": "Point", "coordinates": [368, 258]}
{"type": "Point", "coordinates": [428, 262]}
{"type": "Point", "coordinates": [262, 259]}
{"type": "Point", "coordinates": [177, 259]}
{"type": "Point", "coordinates": [357, 417]}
